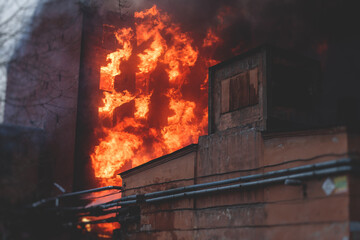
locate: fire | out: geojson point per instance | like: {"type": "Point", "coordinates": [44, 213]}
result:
{"type": "Point", "coordinates": [210, 38]}
{"type": "Point", "coordinates": [113, 100]}
{"type": "Point", "coordinates": [87, 226]}
{"type": "Point", "coordinates": [142, 106]}
{"type": "Point", "coordinates": [108, 72]}
{"type": "Point", "coordinates": [167, 110]}
{"type": "Point", "coordinates": [103, 230]}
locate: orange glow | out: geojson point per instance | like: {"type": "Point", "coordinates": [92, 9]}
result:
{"type": "Point", "coordinates": [166, 111]}
{"type": "Point", "coordinates": [87, 226]}
{"type": "Point", "coordinates": [142, 106]}
{"type": "Point", "coordinates": [223, 16]}
{"type": "Point", "coordinates": [181, 129]}
{"type": "Point", "coordinates": [208, 63]}
{"type": "Point", "coordinates": [113, 100]}
{"type": "Point", "coordinates": [103, 230]}
{"type": "Point", "coordinates": [180, 56]}
{"type": "Point", "coordinates": [117, 146]}
{"type": "Point", "coordinates": [108, 72]}
{"type": "Point", "coordinates": [210, 39]}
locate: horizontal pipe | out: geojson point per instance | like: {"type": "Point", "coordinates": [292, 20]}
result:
{"type": "Point", "coordinates": [90, 191]}
{"type": "Point", "coordinates": [239, 179]}
{"type": "Point", "coordinates": [316, 173]}
{"type": "Point", "coordinates": [71, 194]}
{"type": "Point", "coordinates": [149, 197]}
{"type": "Point", "coordinates": [99, 206]}
{"type": "Point", "coordinates": [100, 213]}
{"type": "Point", "coordinates": [118, 219]}
{"type": "Point", "coordinates": [239, 186]}
{"type": "Point", "coordinates": [107, 220]}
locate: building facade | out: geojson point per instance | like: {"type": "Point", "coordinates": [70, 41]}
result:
{"type": "Point", "coordinates": [265, 171]}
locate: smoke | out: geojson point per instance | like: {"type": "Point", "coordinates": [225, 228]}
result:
{"type": "Point", "coordinates": [323, 30]}
{"type": "Point", "coordinates": [295, 24]}
{"type": "Point", "coordinates": [15, 17]}
{"type": "Point", "coordinates": [291, 24]}
{"type": "Point", "coordinates": [213, 31]}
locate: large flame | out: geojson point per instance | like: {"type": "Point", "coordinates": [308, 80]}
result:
{"type": "Point", "coordinates": [163, 112]}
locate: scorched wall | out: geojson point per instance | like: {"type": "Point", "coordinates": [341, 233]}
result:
{"type": "Point", "coordinates": [248, 138]}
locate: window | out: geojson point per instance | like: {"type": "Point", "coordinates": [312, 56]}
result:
{"type": "Point", "coordinates": [239, 91]}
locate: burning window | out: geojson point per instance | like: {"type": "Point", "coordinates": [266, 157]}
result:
{"type": "Point", "coordinates": [154, 86]}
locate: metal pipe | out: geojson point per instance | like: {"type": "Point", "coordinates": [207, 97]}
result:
{"type": "Point", "coordinates": [99, 206]}
{"type": "Point", "coordinates": [245, 185]}
{"type": "Point", "coordinates": [155, 196]}
{"type": "Point", "coordinates": [90, 191]}
{"type": "Point", "coordinates": [243, 178]}
{"type": "Point", "coordinates": [316, 173]}
{"type": "Point", "coordinates": [100, 213]}
{"type": "Point", "coordinates": [71, 194]}
{"type": "Point", "coordinates": [252, 184]}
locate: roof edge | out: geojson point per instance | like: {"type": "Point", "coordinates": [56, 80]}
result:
{"type": "Point", "coordinates": [160, 160]}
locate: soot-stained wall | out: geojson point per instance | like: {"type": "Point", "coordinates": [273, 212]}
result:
{"type": "Point", "coordinates": [42, 85]}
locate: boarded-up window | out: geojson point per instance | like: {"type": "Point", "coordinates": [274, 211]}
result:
{"type": "Point", "coordinates": [225, 95]}
{"type": "Point", "coordinates": [239, 91]}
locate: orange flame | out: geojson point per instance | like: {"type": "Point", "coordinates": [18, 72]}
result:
{"type": "Point", "coordinates": [103, 230]}
{"type": "Point", "coordinates": [87, 226]}
{"type": "Point", "coordinates": [109, 72]}
{"type": "Point", "coordinates": [160, 116]}
{"type": "Point", "coordinates": [210, 38]}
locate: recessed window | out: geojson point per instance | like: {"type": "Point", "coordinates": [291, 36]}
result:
{"type": "Point", "coordinates": [239, 91]}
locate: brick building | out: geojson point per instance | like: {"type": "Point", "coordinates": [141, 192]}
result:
{"type": "Point", "coordinates": [270, 167]}
{"type": "Point", "coordinates": [265, 171]}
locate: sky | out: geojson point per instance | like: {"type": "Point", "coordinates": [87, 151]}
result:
{"type": "Point", "coordinates": [15, 19]}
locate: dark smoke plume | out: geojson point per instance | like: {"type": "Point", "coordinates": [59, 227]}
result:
{"type": "Point", "coordinates": [326, 30]}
